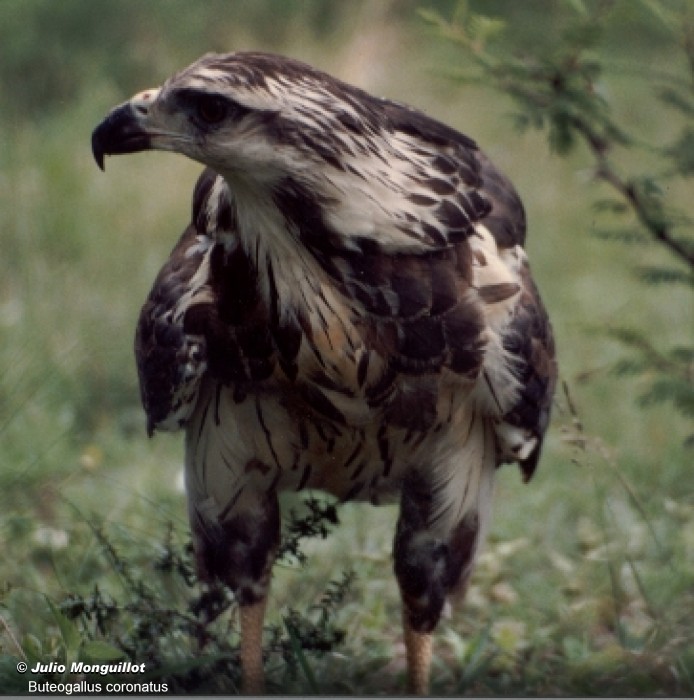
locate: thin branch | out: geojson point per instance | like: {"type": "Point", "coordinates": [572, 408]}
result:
{"type": "Point", "coordinates": [537, 86]}
{"type": "Point", "coordinates": [658, 229]}
{"type": "Point", "coordinates": [13, 639]}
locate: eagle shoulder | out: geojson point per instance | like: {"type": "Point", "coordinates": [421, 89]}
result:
{"type": "Point", "coordinates": [205, 316]}
{"type": "Point", "coordinates": [171, 359]}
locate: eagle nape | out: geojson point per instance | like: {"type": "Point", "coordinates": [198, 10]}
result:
{"type": "Point", "coordinates": [351, 309]}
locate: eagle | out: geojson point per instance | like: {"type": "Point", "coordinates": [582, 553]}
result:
{"type": "Point", "coordinates": [350, 309]}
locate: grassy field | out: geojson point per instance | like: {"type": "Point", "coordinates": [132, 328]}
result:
{"type": "Point", "coordinates": [586, 586]}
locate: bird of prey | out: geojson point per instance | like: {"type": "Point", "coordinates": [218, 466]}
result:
{"type": "Point", "coordinates": [350, 309]}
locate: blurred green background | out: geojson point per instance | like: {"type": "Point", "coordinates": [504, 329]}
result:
{"type": "Point", "coordinates": [587, 579]}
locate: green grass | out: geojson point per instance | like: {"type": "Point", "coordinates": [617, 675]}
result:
{"type": "Point", "coordinates": [585, 587]}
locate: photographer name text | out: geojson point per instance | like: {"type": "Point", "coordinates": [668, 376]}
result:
{"type": "Point", "coordinates": [81, 667]}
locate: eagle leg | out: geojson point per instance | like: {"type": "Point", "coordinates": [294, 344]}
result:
{"type": "Point", "coordinates": [252, 616]}
{"type": "Point", "coordinates": [419, 562]}
{"type": "Point", "coordinates": [418, 648]}
{"type": "Point", "coordinates": [431, 563]}
{"type": "Point", "coordinates": [240, 553]}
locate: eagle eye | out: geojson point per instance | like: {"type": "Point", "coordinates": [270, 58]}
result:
{"type": "Point", "coordinates": [212, 109]}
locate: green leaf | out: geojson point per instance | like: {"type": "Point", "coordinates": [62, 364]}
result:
{"type": "Point", "coordinates": [609, 204]}
{"type": "Point", "coordinates": [578, 6]}
{"type": "Point", "coordinates": [295, 643]}
{"type": "Point", "coordinates": [561, 137]}
{"type": "Point", "coordinates": [31, 646]}
{"type": "Point", "coordinates": [68, 631]}
{"type": "Point", "coordinates": [648, 186]}
{"type": "Point", "coordinates": [484, 28]}
{"type": "Point", "coordinates": [660, 12]}
{"type": "Point", "coordinates": [625, 235]}
{"type": "Point", "coordinates": [673, 390]}
{"type": "Point", "coordinates": [677, 99]}
{"type": "Point", "coordinates": [582, 36]}
{"type": "Point", "coordinates": [665, 275]}
{"type": "Point", "coordinates": [682, 353]}
{"type": "Point", "coordinates": [431, 17]}
{"type": "Point", "coordinates": [478, 657]}
{"type": "Point", "coordinates": [629, 367]}
{"type": "Point", "coordinates": [98, 650]}
{"type": "Point", "coordinates": [629, 336]}
{"type": "Point", "coordinates": [575, 649]}
{"type": "Point", "coordinates": [180, 667]}
{"type": "Point", "coordinates": [681, 152]}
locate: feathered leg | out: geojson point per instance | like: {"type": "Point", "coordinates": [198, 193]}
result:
{"type": "Point", "coordinates": [240, 552]}
{"type": "Point", "coordinates": [430, 563]}
{"type": "Point", "coordinates": [419, 565]}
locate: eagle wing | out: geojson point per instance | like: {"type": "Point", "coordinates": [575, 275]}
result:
{"type": "Point", "coordinates": [171, 356]}
{"type": "Point", "coordinates": [452, 298]}
{"type": "Point", "coordinates": [205, 316]}
{"type": "Point", "coordinates": [170, 361]}
{"type": "Point", "coordinates": [446, 296]}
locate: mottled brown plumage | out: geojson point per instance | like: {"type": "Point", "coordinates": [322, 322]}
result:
{"type": "Point", "coordinates": [351, 309]}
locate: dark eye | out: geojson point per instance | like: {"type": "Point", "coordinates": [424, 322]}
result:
{"type": "Point", "coordinates": [212, 109]}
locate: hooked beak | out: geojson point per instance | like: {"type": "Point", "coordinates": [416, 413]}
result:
{"type": "Point", "coordinates": [125, 129]}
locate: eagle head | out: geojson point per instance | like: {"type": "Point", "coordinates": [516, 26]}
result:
{"type": "Point", "coordinates": [248, 116]}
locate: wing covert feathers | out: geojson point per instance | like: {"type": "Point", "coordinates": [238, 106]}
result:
{"type": "Point", "coordinates": [397, 330]}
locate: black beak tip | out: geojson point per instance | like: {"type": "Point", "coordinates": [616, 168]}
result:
{"type": "Point", "coordinates": [99, 158]}
{"type": "Point", "coordinates": [98, 149]}
{"type": "Point", "coordinates": [119, 132]}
